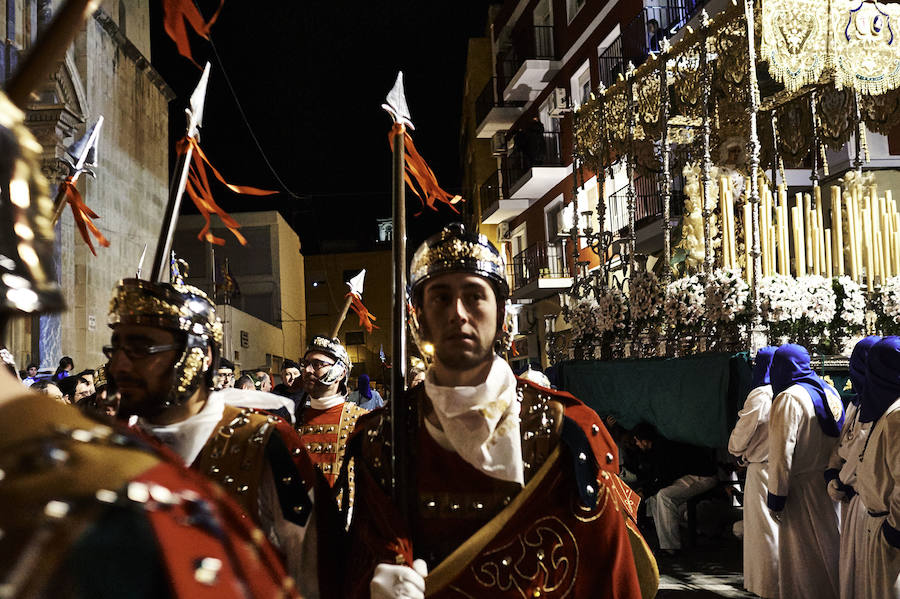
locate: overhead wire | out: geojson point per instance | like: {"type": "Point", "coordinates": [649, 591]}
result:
{"type": "Point", "coordinates": [240, 108]}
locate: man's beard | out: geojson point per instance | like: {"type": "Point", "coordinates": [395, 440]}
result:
{"type": "Point", "coordinates": [460, 361]}
{"type": "Point", "coordinates": [146, 405]}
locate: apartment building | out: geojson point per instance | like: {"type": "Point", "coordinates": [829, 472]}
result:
{"type": "Point", "coordinates": [547, 57]}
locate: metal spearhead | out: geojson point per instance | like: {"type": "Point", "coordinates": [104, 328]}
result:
{"type": "Point", "coordinates": [140, 267]}
{"type": "Point", "coordinates": [198, 100]}
{"type": "Point", "coordinates": [81, 156]}
{"type": "Point", "coordinates": [396, 103]}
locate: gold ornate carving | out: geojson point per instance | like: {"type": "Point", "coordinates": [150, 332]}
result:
{"type": "Point", "coordinates": [881, 113]}
{"type": "Point", "coordinates": [834, 109]}
{"type": "Point", "coordinates": [687, 83]}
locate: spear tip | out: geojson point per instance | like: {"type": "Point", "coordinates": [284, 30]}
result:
{"type": "Point", "coordinates": [395, 104]}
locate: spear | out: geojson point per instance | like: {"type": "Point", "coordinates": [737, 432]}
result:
{"type": "Point", "coordinates": [49, 49]}
{"type": "Point", "coordinates": [397, 108]}
{"type": "Point", "coordinates": [140, 267]}
{"type": "Point", "coordinates": [170, 220]}
{"type": "Point", "coordinates": [354, 300]}
{"type": "Point", "coordinates": [81, 158]}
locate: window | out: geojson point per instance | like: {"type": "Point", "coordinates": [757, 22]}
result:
{"type": "Point", "coordinates": [572, 8]}
{"type": "Point", "coordinates": [581, 85]}
{"type": "Point", "coordinates": [553, 213]}
{"type": "Point", "coordinates": [355, 338]}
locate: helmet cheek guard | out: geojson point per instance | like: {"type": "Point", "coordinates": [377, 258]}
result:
{"type": "Point", "coordinates": [342, 365]}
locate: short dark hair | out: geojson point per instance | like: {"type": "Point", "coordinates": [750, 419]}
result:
{"type": "Point", "coordinates": [66, 361]}
{"type": "Point", "coordinates": [226, 363]}
{"type": "Point", "coordinates": [289, 364]}
{"type": "Point", "coordinates": [31, 365]}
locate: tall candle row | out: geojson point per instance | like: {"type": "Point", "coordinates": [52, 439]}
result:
{"type": "Point", "coordinates": [856, 232]}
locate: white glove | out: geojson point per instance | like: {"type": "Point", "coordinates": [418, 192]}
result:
{"type": "Point", "coordinates": [399, 582]}
{"type": "Point", "coordinates": [835, 492]}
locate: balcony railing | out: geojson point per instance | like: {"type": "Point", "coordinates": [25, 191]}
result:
{"type": "Point", "coordinates": [640, 37]}
{"type": "Point", "coordinates": [532, 149]}
{"type": "Point", "coordinates": [647, 202]}
{"type": "Point", "coordinates": [491, 192]}
{"type": "Point", "coordinates": [534, 43]}
{"type": "Point", "coordinates": [491, 97]}
{"type": "Point", "coordinates": [545, 260]}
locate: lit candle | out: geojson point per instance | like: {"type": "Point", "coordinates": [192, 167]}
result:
{"type": "Point", "coordinates": [723, 215]}
{"type": "Point", "coordinates": [797, 215]}
{"type": "Point", "coordinates": [870, 253]}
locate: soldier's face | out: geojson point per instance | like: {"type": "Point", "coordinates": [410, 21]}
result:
{"type": "Point", "coordinates": [459, 317]}
{"type": "Point", "coordinates": [143, 381]}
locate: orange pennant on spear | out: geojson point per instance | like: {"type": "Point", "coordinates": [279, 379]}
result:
{"type": "Point", "coordinates": [178, 14]}
{"type": "Point", "coordinates": [200, 192]}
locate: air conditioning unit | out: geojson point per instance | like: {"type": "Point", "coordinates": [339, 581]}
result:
{"type": "Point", "coordinates": [498, 144]}
{"type": "Point", "coordinates": [558, 105]}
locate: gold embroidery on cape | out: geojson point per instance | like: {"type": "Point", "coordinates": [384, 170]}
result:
{"type": "Point", "coordinates": [584, 513]}
{"type": "Point", "coordinates": [544, 557]}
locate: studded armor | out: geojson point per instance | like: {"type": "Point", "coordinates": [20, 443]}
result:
{"type": "Point", "coordinates": [238, 450]}
{"type": "Point", "coordinates": [73, 486]}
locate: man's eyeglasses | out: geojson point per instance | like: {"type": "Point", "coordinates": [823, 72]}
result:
{"type": "Point", "coordinates": [138, 352]}
{"type": "Point", "coordinates": [316, 364]}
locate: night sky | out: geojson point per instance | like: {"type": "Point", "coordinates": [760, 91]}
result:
{"type": "Point", "coordinates": [311, 77]}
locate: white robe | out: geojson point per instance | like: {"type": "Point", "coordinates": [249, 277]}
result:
{"type": "Point", "coordinates": [297, 543]}
{"type": "Point", "coordinates": [749, 441]}
{"type": "Point", "coordinates": [845, 458]}
{"type": "Point", "coordinates": [809, 535]}
{"type": "Point", "coordinates": [878, 474]}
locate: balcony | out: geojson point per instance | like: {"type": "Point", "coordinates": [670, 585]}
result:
{"type": "Point", "coordinates": [648, 205]}
{"type": "Point", "coordinates": [496, 207]}
{"type": "Point", "coordinates": [493, 114]}
{"type": "Point", "coordinates": [528, 65]}
{"type": "Point", "coordinates": [535, 165]}
{"type": "Point", "coordinates": [540, 271]}
{"type": "Point", "coordinates": [643, 35]}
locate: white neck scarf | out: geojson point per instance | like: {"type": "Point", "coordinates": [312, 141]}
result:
{"type": "Point", "coordinates": [481, 423]}
{"type": "Point", "coordinates": [323, 403]}
{"type": "Point", "coordinates": [187, 438]}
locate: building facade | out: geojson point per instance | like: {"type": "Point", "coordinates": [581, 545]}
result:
{"type": "Point", "coordinates": [546, 58]}
{"type": "Point", "coordinates": [105, 72]}
{"type": "Point", "coordinates": [258, 288]}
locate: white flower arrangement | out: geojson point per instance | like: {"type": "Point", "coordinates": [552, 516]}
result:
{"type": "Point", "coordinates": [889, 306]}
{"type": "Point", "coordinates": [685, 302]}
{"type": "Point", "coordinates": [583, 317]}
{"type": "Point", "coordinates": [851, 302]}
{"type": "Point", "coordinates": [611, 310]}
{"type": "Point", "coordinates": [727, 296]}
{"type": "Point", "coordinates": [645, 298]}
{"type": "Point", "coordinates": [819, 302]}
{"type": "Point", "coordinates": [780, 300]}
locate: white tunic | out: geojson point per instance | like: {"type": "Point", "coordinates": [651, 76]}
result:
{"type": "Point", "coordinates": [749, 441]}
{"type": "Point", "coordinates": [809, 536]}
{"type": "Point", "coordinates": [845, 458]}
{"type": "Point", "coordinates": [879, 471]}
{"type": "Point", "coordinates": [187, 438]}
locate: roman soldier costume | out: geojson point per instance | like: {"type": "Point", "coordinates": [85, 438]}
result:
{"type": "Point", "coordinates": [255, 456]}
{"type": "Point", "coordinates": [88, 510]}
{"type": "Point", "coordinates": [326, 423]}
{"type": "Point", "coordinates": [557, 522]}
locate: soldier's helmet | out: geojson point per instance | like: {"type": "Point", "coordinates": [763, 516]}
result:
{"type": "Point", "coordinates": [456, 250]}
{"type": "Point", "coordinates": [183, 309]}
{"type": "Point", "coordinates": [27, 275]}
{"type": "Point", "coordinates": [334, 349]}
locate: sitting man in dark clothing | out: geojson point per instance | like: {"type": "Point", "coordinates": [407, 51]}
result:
{"type": "Point", "coordinates": [668, 474]}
